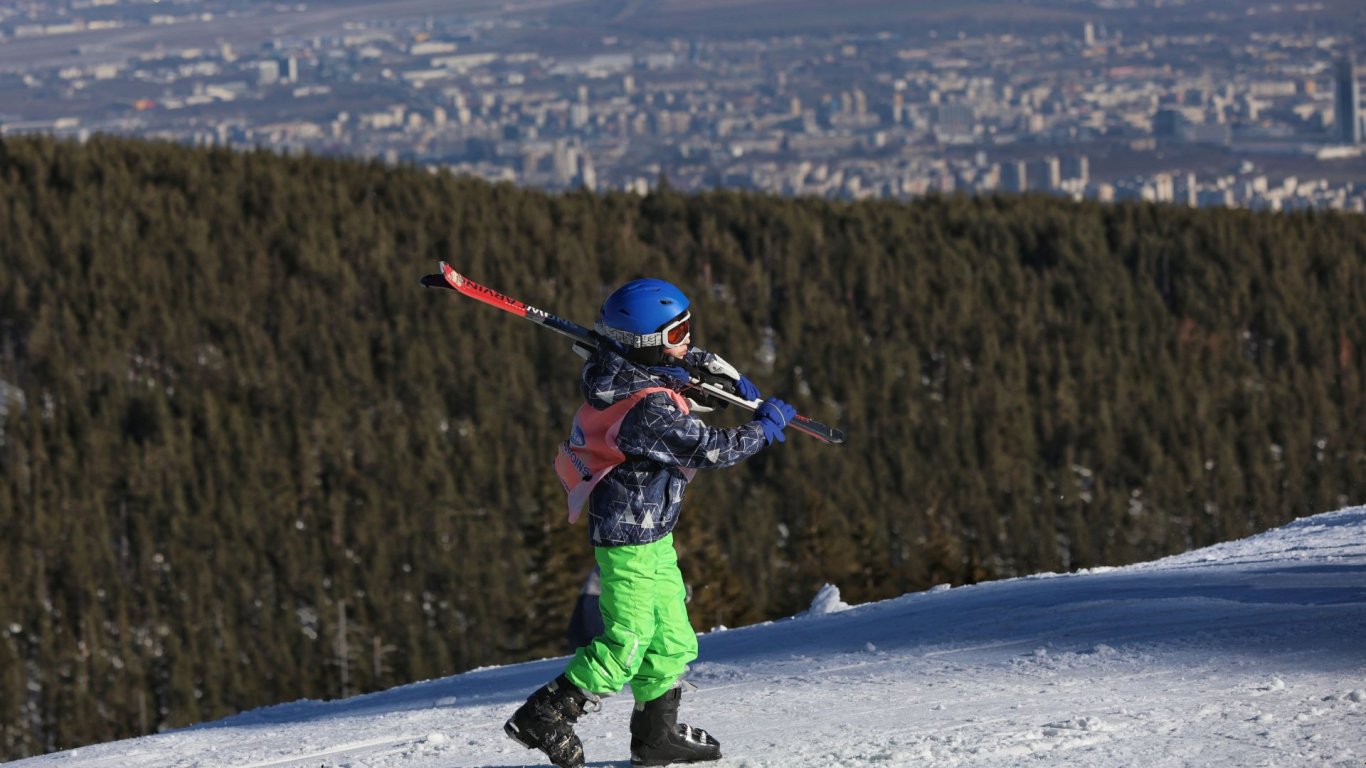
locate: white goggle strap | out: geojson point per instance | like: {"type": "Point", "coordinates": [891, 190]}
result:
{"type": "Point", "coordinates": [657, 339]}
{"type": "Point", "coordinates": [627, 338]}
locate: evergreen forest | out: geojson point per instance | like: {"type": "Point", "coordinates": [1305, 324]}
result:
{"type": "Point", "coordinates": [246, 458]}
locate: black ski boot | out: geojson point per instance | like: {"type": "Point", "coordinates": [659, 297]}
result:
{"type": "Point", "coordinates": [546, 721]}
{"type": "Point", "coordinates": [657, 738]}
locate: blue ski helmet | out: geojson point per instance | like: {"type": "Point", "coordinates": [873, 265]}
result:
{"type": "Point", "coordinates": [637, 315]}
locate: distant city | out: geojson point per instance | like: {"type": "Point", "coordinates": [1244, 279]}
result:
{"type": "Point", "coordinates": [1223, 115]}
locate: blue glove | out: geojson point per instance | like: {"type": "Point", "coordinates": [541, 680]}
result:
{"type": "Point", "coordinates": [741, 384]}
{"type": "Point", "coordinates": [774, 415]}
{"type": "Point", "coordinates": [746, 388]}
{"type": "Point", "coordinates": [672, 375]}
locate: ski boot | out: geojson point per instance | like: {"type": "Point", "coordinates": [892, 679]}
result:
{"type": "Point", "coordinates": [657, 738]}
{"type": "Point", "coordinates": [546, 721]}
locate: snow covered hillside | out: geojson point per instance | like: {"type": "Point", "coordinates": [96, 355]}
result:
{"type": "Point", "coordinates": [1251, 653]}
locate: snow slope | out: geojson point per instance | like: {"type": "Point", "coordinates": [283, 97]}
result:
{"type": "Point", "coordinates": [1251, 653]}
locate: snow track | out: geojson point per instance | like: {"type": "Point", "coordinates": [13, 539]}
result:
{"type": "Point", "coordinates": [366, 751]}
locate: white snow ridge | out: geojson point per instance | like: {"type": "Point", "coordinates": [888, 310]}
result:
{"type": "Point", "coordinates": [1251, 653]}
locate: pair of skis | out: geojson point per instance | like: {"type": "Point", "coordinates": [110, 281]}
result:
{"type": "Point", "coordinates": [584, 338]}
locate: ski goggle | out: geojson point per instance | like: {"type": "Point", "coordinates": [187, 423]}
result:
{"type": "Point", "coordinates": [677, 332]}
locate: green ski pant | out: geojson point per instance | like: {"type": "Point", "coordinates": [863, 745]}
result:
{"type": "Point", "coordinates": [647, 640]}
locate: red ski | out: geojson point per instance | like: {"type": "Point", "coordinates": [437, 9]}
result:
{"type": "Point", "coordinates": [584, 337]}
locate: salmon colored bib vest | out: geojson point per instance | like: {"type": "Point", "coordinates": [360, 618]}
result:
{"type": "Point", "coordinates": [591, 450]}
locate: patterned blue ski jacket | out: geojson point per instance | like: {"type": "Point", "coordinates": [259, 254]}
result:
{"type": "Point", "coordinates": [639, 500]}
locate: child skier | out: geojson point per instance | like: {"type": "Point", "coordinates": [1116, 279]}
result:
{"type": "Point", "coordinates": [634, 446]}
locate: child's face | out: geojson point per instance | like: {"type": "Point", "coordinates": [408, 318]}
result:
{"type": "Point", "coordinates": [679, 351]}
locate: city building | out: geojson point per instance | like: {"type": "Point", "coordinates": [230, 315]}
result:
{"type": "Point", "coordinates": [1348, 102]}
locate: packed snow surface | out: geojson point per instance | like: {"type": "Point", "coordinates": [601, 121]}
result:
{"type": "Point", "coordinates": [1250, 653]}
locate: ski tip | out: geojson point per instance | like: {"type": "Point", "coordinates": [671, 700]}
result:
{"type": "Point", "coordinates": [434, 281]}
{"type": "Point", "coordinates": [451, 276]}
{"type": "Point", "coordinates": [832, 437]}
